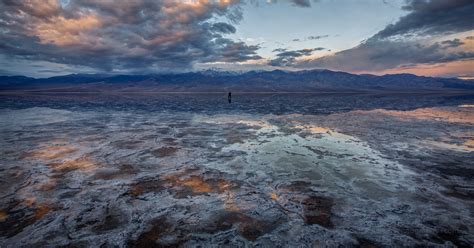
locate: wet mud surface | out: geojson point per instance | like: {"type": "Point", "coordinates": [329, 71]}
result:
{"type": "Point", "coordinates": [81, 173]}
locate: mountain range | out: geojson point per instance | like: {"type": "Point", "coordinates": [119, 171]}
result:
{"type": "Point", "coordinates": [221, 81]}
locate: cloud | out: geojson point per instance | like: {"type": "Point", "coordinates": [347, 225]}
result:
{"type": "Point", "coordinates": [297, 3]}
{"type": "Point", "coordinates": [379, 55]}
{"type": "Point", "coordinates": [410, 41]}
{"type": "Point", "coordinates": [61, 31]}
{"type": "Point", "coordinates": [288, 58]}
{"type": "Point", "coordinates": [452, 43]}
{"type": "Point", "coordinates": [432, 17]}
{"type": "Point", "coordinates": [222, 27]}
{"type": "Point", "coordinates": [301, 3]}
{"type": "Point", "coordinates": [315, 37]}
{"type": "Point", "coordinates": [279, 50]}
{"type": "Point", "coordinates": [229, 51]}
{"type": "Point", "coordinates": [127, 36]}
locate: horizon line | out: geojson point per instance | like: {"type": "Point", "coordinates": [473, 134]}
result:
{"type": "Point", "coordinates": [237, 72]}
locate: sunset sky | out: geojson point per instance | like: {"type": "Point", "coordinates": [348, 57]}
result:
{"type": "Point", "coordinates": [44, 38]}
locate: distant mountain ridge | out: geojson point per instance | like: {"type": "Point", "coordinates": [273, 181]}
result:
{"type": "Point", "coordinates": [219, 81]}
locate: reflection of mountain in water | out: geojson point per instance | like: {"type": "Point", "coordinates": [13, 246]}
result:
{"type": "Point", "coordinates": [241, 102]}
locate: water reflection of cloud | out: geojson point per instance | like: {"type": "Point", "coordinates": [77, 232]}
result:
{"type": "Point", "coordinates": [313, 129]}
{"type": "Point", "coordinates": [249, 121]}
{"type": "Point", "coordinates": [467, 146]}
{"type": "Point", "coordinates": [453, 115]}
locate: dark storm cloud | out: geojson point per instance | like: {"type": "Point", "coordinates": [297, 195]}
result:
{"type": "Point", "coordinates": [222, 27]}
{"type": "Point", "coordinates": [452, 43]}
{"type": "Point", "coordinates": [397, 44]}
{"type": "Point", "coordinates": [122, 35]}
{"type": "Point", "coordinates": [229, 51]}
{"type": "Point", "coordinates": [432, 17]}
{"type": "Point", "coordinates": [288, 58]}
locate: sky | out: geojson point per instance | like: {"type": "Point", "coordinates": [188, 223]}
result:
{"type": "Point", "coordinates": [43, 38]}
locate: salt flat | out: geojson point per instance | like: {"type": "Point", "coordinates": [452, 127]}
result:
{"type": "Point", "coordinates": [270, 171]}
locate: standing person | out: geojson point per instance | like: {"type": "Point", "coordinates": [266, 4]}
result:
{"type": "Point", "coordinates": [229, 97]}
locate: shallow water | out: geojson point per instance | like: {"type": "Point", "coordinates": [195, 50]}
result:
{"type": "Point", "coordinates": [296, 170]}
